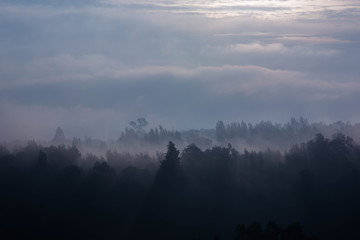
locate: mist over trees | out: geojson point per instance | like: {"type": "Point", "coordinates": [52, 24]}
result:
{"type": "Point", "coordinates": [309, 191]}
{"type": "Point", "coordinates": [259, 135]}
{"type": "Point", "coordinates": [140, 138]}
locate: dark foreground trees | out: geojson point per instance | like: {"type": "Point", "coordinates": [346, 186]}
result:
{"type": "Point", "coordinates": [55, 193]}
{"type": "Point", "coordinates": [163, 213]}
{"type": "Point", "coordinates": [272, 231]}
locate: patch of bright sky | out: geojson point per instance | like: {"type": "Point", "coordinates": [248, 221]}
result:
{"type": "Point", "coordinates": [293, 9]}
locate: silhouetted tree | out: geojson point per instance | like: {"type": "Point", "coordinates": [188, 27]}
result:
{"type": "Point", "coordinates": [272, 231]}
{"type": "Point", "coordinates": [240, 232]}
{"type": "Point", "coordinates": [293, 231]}
{"type": "Point", "coordinates": [220, 131]}
{"type": "Point", "coordinates": [254, 231]}
{"type": "Point", "coordinates": [59, 137]}
{"type": "Point", "coordinates": [172, 160]}
{"type": "Point", "coordinates": [162, 213]}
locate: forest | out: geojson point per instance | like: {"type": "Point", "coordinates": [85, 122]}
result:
{"type": "Point", "coordinates": [293, 181]}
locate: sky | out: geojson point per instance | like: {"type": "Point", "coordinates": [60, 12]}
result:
{"type": "Point", "coordinates": [92, 66]}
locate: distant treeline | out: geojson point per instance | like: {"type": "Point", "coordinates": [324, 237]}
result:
{"type": "Point", "coordinates": [259, 136]}
{"type": "Point", "coordinates": [56, 193]}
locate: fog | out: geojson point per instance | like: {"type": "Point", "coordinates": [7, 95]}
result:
{"type": "Point", "coordinates": [200, 119]}
{"type": "Point", "coordinates": [234, 181]}
{"type": "Point", "coordinates": [140, 137]}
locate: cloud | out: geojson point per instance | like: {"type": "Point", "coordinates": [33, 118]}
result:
{"type": "Point", "coordinates": [312, 40]}
{"type": "Point", "coordinates": [273, 48]}
{"type": "Point", "coordinates": [248, 78]}
{"type": "Point", "coordinates": [278, 48]}
{"type": "Point", "coordinates": [225, 79]}
{"type": "Point", "coordinates": [290, 9]}
{"type": "Point", "coordinates": [228, 78]}
{"type": "Point", "coordinates": [187, 63]}
{"type": "Point", "coordinates": [260, 81]}
{"type": "Point", "coordinates": [66, 67]}
{"type": "Point", "coordinates": [260, 9]}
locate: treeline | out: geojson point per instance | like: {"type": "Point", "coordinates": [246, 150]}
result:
{"type": "Point", "coordinates": [259, 136]}
{"type": "Point", "coordinates": [295, 131]}
{"type": "Point", "coordinates": [281, 136]}
{"type": "Point", "coordinates": [154, 135]}
{"type": "Point", "coordinates": [56, 193]}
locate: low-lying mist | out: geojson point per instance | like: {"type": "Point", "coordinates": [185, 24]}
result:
{"type": "Point", "coordinates": [261, 181]}
{"type": "Point", "coordinates": [137, 138]}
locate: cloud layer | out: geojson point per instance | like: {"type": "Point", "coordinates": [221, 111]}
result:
{"type": "Point", "coordinates": [182, 64]}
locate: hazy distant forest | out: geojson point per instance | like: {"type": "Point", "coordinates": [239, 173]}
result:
{"type": "Point", "coordinates": [290, 181]}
